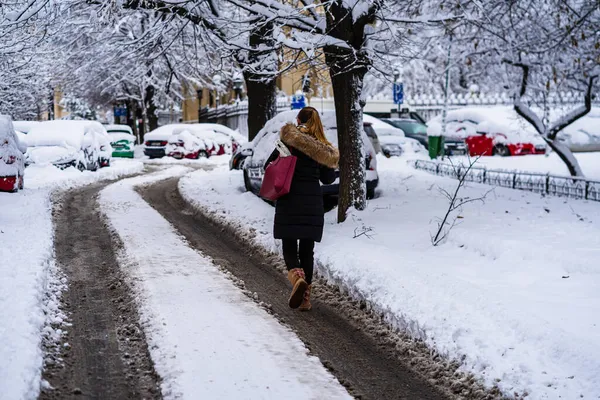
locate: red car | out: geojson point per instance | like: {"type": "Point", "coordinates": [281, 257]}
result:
{"type": "Point", "coordinates": [491, 144]}
{"type": "Point", "coordinates": [490, 131]}
{"type": "Point", "coordinates": [12, 158]}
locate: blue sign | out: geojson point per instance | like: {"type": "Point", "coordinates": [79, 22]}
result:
{"type": "Point", "coordinates": [398, 93]}
{"type": "Point", "coordinates": [120, 112]}
{"type": "Point", "coordinates": [298, 101]}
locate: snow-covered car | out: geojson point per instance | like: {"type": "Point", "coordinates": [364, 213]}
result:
{"type": "Point", "coordinates": [122, 140]}
{"type": "Point", "coordinates": [263, 145]}
{"type": "Point", "coordinates": [66, 143]}
{"type": "Point", "coordinates": [12, 157]}
{"type": "Point", "coordinates": [238, 157]}
{"type": "Point", "coordinates": [391, 140]}
{"type": "Point", "coordinates": [412, 129]}
{"type": "Point", "coordinates": [237, 139]}
{"type": "Point", "coordinates": [583, 135]}
{"type": "Point", "coordinates": [194, 141]}
{"type": "Point", "coordinates": [155, 142]}
{"type": "Point", "coordinates": [106, 149]}
{"type": "Point", "coordinates": [489, 131]}
{"type": "Point", "coordinates": [24, 126]}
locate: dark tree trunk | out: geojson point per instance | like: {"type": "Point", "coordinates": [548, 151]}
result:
{"type": "Point", "coordinates": [132, 112]}
{"type": "Point", "coordinates": [347, 69]}
{"type": "Point", "coordinates": [261, 88]}
{"type": "Point", "coordinates": [150, 108]}
{"type": "Point", "coordinates": [348, 113]}
{"type": "Point", "coordinates": [262, 102]}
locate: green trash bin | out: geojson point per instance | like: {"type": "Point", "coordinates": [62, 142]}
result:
{"type": "Point", "coordinates": [436, 146]}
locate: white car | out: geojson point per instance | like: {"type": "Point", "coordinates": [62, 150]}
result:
{"type": "Point", "coordinates": [234, 135]}
{"type": "Point", "coordinates": [392, 140]}
{"type": "Point", "coordinates": [106, 149]}
{"type": "Point", "coordinates": [24, 126]}
{"type": "Point", "coordinates": [583, 135]}
{"type": "Point", "coordinates": [263, 145]}
{"type": "Point", "coordinates": [66, 143]}
{"type": "Point", "coordinates": [156, 141]}
{"type": "Point", "coordinates": [12, 158]}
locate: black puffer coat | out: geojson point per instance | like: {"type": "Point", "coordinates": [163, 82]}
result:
{"type": "Point", "coordinates": [299, 214]}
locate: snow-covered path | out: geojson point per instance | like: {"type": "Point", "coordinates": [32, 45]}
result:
{"type": "Point", "coordinates": [26, 271]}
{"type": "Point", "coordinates": [514, 293]}
{"type": "Point", "coordinates": [206, 338]}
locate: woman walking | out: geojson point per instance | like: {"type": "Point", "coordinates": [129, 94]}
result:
{"type": "Point", "coordinates": [299, 215]}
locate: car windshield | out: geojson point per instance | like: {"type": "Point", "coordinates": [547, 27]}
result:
{"type": "Point", "coordinates": [410, 127]}
{"type": "Point", "coordinates": [370, 131]}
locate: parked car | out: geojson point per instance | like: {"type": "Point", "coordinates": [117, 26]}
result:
{"type": "Point", "coordinates": [583, 135]}
{"type": "Point", "coordinates": [106, 149]}
{"type": "Point", "coordinates": [238, 157]}
{"type": "Point", "coordinates": [122, 140]}
{"type": "Point", "coordinates": [412, 129]}
{"type": "Point", "coordinates": [197, 140]}
{"type": "Point", "coordinates": [263, 145]}
{"type": "Point", "coordinates": [12, 157]}
{"type": "Point", "coordinates": [490, 131]}
{"type": "Point", "coordinates": [415, 129]}
{"type": "Point", "coordinates": [24, 126]}
{"type": "Point", "coordinates": [156, 141]}
{"type": "Point", "coordinates": [66, 143]}
{"type": "Point", "coordinates": [237, 139]}
{"type": "Point", "coordinates": [391, 139]}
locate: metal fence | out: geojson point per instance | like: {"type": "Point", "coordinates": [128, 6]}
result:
{"type": "Point", "coordinates": [572, 187]}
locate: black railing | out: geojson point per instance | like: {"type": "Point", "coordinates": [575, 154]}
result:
{"type": "Point", "coordinates": [573, 187]}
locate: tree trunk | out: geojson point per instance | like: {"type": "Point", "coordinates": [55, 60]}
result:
{"type": "Point", "coordinates": [150, 108]}
{"type": "Point", "coordinates": [262, 102]}
{"type": "Point", "coordinates": [349, 115]}
{"type": "Point", "coordinates": [566, 156]}
{"type": "Point", "coordinates": [261, 88]}
{"type": "Point", "coordinates": [347, 69]}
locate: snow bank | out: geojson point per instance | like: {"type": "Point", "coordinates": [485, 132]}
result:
{"type": "Point", "coordinates": [25, 255]}
{"type": "Point", "coordinates": [50, 177]}
{"type": "Point", "coordinates": [26, 272]}
{"type": "Point", "coordinates": [206, 338]}
{"type": "Point", "coordinates": [544, 164]}
{"type": "Point", "coordinates": [513, 294]}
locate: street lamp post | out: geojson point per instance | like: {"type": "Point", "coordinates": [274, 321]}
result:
{"type": "Point", "coordinates": [238, 86]}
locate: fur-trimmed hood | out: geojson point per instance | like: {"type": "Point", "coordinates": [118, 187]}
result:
{"type": "Point", "coordinates": [322, 153]}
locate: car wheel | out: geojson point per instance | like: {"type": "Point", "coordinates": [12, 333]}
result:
{"type": "Point", "coordinates": [370, 194]}
{"type": "Point", "coordinates": [501, 150]}
{"type": "Point", "coordinates": [81, 166]}
{"type": "Point", "coordinates": [202, 154]}
{"type": "Point", "coordinates": [247, 184]}
{"type": "Point", "coordinates": [21, 183]}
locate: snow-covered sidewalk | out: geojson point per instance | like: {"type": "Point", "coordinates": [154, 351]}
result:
{"type": "Point", "coordinates": [26, 267]}
{"type": "Point", "coordinates": [206, 338]}
{"type": "Point", "coordinates": [514, 292]}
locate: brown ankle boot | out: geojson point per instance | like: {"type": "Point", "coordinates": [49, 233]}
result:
{"type": "Point", "coordinates": [296, 277]}
{"type": "Point", "coordinates": [306, 306]}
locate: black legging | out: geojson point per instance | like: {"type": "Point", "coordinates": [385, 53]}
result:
{"type": "Point", "coordinates": [305, 254]}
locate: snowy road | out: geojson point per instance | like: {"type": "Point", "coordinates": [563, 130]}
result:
{"type": "Point", "coordinates": [336, 331]}
{"type": "Point", "coordinates": [206, 338]}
